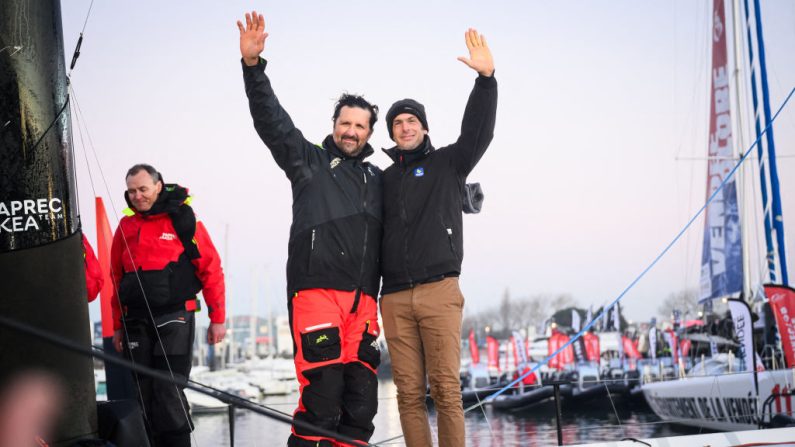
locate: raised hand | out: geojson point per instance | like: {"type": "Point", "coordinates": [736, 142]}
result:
{"type": "Point", "coordinates": [252, 37]}
{"type": "Point", "coordinates": [480, 58]}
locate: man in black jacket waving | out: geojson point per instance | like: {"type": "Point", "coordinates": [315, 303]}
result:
{"type": "Point", "coordinates": [332, 265]}
{"type": "Point", "coordinates": [422, 251]}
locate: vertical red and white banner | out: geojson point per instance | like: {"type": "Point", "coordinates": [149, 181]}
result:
{"type": "Point", "coordinates": [721, 257]}
{"type": "Point", "coordinates": [493, 350]}
{"type": "Point", "coordinates": [473, 348]}
{"type": "Point", "coordinates": [782, 302]}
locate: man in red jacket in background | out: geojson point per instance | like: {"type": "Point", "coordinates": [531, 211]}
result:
{"type": "Point", "coordinates": [161, 258]}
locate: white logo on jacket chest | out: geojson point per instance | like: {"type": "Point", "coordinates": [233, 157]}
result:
{"type": "Point", "coordinates": [335, 162]}
{"type": "Point", "coordinates": [168, 236]}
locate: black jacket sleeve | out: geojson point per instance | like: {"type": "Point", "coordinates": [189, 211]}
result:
{"type": "Point", "coordinates": [477, 127]}
{"type": "Point", "coordinates": [273, 124]}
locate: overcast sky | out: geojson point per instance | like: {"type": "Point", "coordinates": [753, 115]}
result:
{"type": "Point", "coordinates": [597, 160]}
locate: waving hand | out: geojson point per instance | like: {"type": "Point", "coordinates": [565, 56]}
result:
{"type": "Point", "coordinates": [252, 37]}
{"type": "Point", "coordinates": [480, 58]}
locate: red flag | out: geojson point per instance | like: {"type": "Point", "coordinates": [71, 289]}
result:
{"type": "Point", "coordinates": [591, 347]}
{"type": "Point", "coordinates": [565, 357]}
{"type": "Point", "coordinates": [630, 350]}
{"type": "Point", "coordinates": [104, 241]}
{"type": "Point", "coordinates": [782, 302]}
{"type": "Point", "coordinates": [494, 352]}
{"type": "Point", "coordinates": [473, 348]}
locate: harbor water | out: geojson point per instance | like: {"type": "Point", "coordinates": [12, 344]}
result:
{"type": "Point", "coordinates": [601, 419]}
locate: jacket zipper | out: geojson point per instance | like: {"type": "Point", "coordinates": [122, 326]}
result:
{"type": "Point", "coordinates": [364, 246]}
{"type": "Point", "coordinates": [405, 218]}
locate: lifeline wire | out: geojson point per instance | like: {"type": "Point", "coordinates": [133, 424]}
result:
{"type": "Point", "coordinates": [156, 374]}
{"type": "Point", "coordinates": [653, 263]}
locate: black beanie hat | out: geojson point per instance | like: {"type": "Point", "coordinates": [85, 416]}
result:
{"type": "Point", "coordinates": [406, 106]}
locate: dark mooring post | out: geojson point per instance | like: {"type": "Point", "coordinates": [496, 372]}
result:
{"type": "Point", "coordinates": [231, 409]}
{"type": "Point", "coordinates": [558, 414]}
{"type": "Point", "coordinates": [42, 272]}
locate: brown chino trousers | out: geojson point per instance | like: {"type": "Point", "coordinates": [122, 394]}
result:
{"type": "Point", "coordinates": [422, 327]}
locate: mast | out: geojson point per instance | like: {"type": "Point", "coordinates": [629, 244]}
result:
{"type": "Point", "coordinates": [778, 220]}
{"type": "Point", "coordinates": [760, 151]}
{"type": "Point", "coordinates": [743, 173]}
{"type": "Point", "coordinates": [41, 255]}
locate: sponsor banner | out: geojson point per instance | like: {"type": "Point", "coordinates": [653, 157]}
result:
{"type": "Point", "coordinates": [493, 347]}
{"type": "Point", "coordinates": [591, 341]}
{"type": "Point", "coordinates": [629, 348]}
{"type": "Point", "coordinates": [721, 258]}
{"type": "Point", "coordinates": [743, 329]}
{"type": "Point", "coordinates": [519, 349]}
{"type": "Point", "coordinates": [473, 348]}
{"type": "Point", "coordinates": [566, 356]}
{"type": "Point", "coordinates": [673, 344]}
{"type": "Point", "coordinates": [782, 303]}
{"type": "Point", "coordinates": [653, 342]}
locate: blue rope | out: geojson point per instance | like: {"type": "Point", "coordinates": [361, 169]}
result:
{"type": "Point", "coordinates": [646, 270]}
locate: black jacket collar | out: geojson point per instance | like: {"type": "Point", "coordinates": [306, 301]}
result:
{"type": "Point", "coordinates": [408, 157]}
{"type": "Point", "coordinates": [331, 146]}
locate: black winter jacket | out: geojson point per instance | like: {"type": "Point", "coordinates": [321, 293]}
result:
{"type": "Point", "coordinates": [423, 195]}
{"type": "Point", "coordinates": [336, 230]}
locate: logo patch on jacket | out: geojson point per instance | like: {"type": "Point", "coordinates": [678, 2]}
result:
{"type": "Point", "coordinates": [321, 339]}
{"type": "Point", "coordinates": [334, 162]}
{"type": "Point", "coordinates": [168, 236]}
{"type": "Point", "coordinates": [419, 172]}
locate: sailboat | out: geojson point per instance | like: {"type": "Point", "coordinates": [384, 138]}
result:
{"type": "Point", "coordinates": [731, 392]}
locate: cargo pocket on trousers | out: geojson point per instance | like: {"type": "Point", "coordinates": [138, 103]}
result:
{"type": "Point", "coordinates": [175, 333]}
{"type": "Point", "coordinates": [321, 345]}
{"type": "Point", "coordinates": [369, 351]}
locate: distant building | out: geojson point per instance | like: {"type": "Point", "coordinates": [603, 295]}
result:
{"type": "Point", "coordinates": [284, 339]}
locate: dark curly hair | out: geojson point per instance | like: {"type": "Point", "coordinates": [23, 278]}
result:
{"type": "Point", "coordinates": [355, 101]}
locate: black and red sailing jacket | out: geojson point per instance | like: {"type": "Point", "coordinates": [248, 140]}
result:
{"type": "Point", "coordinates": [335, 236]}
{"type": "Point", "coordinates": [167, 276]}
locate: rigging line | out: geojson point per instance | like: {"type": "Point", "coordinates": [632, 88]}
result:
{"type": "Point", "coordinates": [720, 187]}
{"type": "Point", "coordinates": [612, 404]}
{"type": "Point", "coordinates": [81, 122]}
{"type": "Point", "coordinates": [486, 416]}
{"type": "Point", "coordinates": [54, 120]}
{"type": "Point", "coordinates": [146, 300]}
{"type": "Point", "coordinates": [70, 345]}
{"type": "Point", "coordinates": [88, 14]}
{"type": "Point", "coordinates": [76, 53]}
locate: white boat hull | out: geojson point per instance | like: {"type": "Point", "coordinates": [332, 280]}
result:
{"type": "Point", "coordinates": [724, 402]}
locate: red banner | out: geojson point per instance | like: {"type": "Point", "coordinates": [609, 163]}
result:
{"type": "Point", "coordinates": [591, 346]}
{"type": "Point", "coordinates": [104, 240]}
{"type": "Point", "coordinates": [630, 350]}
{"type": "Point", "coordinates": [782, 302]}
{"type": "Point", "coordinates": [565, 357]}
{"type": "Point", "coordinates": [494, 352]}
{"type": "Point", "coordinates": [473, 348]}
